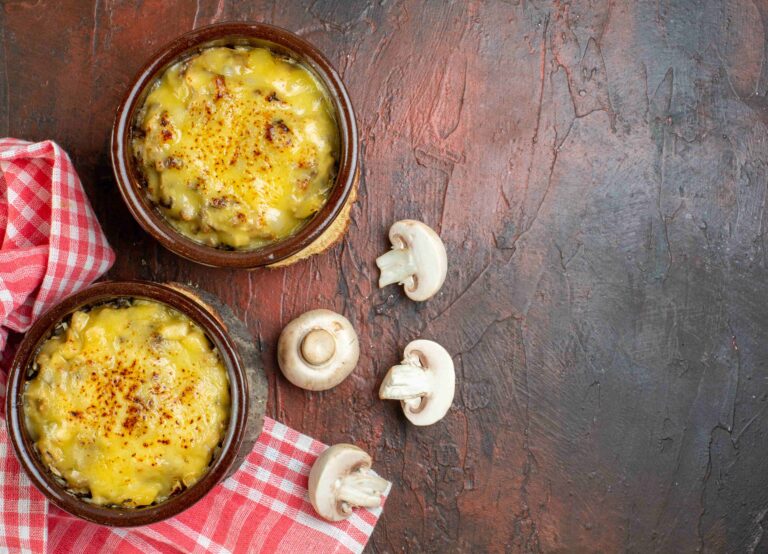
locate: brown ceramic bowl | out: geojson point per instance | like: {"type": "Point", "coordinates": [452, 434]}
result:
{"type": "Point", "coordinates": [130, 180]}
{"type": "Point", "coordinates": [21, 371]}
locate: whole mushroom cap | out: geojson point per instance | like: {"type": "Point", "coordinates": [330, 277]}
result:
{"type": "Point", "coordinates": [318, 350]}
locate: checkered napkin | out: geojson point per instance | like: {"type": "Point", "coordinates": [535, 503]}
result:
{"type": "Point", "coordinates": [263, 507]}
{"type": "Point", "coordinates": [51, 244]}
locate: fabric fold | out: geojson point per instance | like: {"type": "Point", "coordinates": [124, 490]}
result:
{"type": "Point", "coordinates": [52, 244]}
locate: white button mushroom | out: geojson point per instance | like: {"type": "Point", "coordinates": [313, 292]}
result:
{"type": "Point", "coordinates": [417, 260]}
{"type": "Point", "coordinates": [424, 382]}
{"type": "Point", "coordinates": [341, 479]}
{"type": "Point", "coordinates": [317, 350]}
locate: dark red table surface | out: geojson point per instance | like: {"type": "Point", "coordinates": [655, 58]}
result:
{"type": "Point", "coordinates": [598, 173]}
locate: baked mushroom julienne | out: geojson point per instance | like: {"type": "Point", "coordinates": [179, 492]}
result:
{"type": "Point", "coordinates": [341, 479]}
{"type": "Point", "coordinates": [238, 146]}
{"type": "Point", "coordinates": [129, 403]}
{"type": "Point", "coordinates": [424, 382]}
{"type": "Point", "coordinates": [318, 350]}
{"type": "Point", "coordinates": [417, 260]}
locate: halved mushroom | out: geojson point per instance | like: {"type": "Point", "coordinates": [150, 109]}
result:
{"type": "Point", "coordinates": [317, 350]}
{"type": "Point", "coordinates": [341, 479]}
{"type": "Point", "coordinates": [417, 260]}
{"type": "Point", "coordinates": [424, 382]}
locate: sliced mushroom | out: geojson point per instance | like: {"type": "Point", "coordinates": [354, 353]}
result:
{"type": "Point", "coordinates": [424, 382]}
{"type": "Point", "coordinates": [317, 350]}
{"type": "Point", "coordinates": [341, 479]}
{"type": "Point", "coordinates": [417, 260]}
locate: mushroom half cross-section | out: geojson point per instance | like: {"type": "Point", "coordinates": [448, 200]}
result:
{"type": "Point", "coordinates": [424, 382]}
{"type": "Point", "coordinates": [417, 260]}
{"type": "Point", "coordinates": [317, 350]}
{"type": "Point", "coordinates": [341, 479]}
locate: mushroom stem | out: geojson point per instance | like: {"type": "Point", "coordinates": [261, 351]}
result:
{"type": "Point", "coordinates": [317, 347]}
{"type": "Point", "coordinates": [397, 266]}
{"type": "Point", "coordinates": [361, 488]}
{"type": "Point", "coordinates": [406, 382]}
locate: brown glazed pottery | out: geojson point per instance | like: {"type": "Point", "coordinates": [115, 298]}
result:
{"type": "Point", "coordinates": [318, 233]}
{"type": "Point", "coordinates": [248, 391]}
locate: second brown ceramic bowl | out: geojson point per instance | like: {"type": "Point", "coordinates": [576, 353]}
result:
{"type": "Point", "coordinates": [130, 181]}
{"type": "Point", "coordinates": [183, 300]}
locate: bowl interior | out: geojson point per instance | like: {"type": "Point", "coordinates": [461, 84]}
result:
{"type": "Point", "coordinates": [130, 178]}
{"type": "Point", "coordinates": [22, 370]}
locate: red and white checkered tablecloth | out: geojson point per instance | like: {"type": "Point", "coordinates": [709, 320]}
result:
{"type": "Point", "coordinates": [23, 509]}
{"type": "Point", "coordinates": [51, 244]}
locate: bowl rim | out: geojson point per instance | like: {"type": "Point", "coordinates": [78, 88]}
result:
{"type": "Point", "coordinates": [22, 443]}
{"type": "Point", "coordinates": [149, 217]}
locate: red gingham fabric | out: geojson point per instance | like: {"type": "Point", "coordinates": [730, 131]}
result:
{"type": "Point", "coordinates": [263, 507]}
{"type": "Point", "coordinates": [23, 509]}
{"type": "Point", "coordinates": [51, 244]}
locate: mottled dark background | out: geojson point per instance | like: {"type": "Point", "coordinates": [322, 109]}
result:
{"type": "Point", "coordinates": [597, 170]}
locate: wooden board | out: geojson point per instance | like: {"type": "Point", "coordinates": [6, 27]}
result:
{"type": "Point", "coordinates": [598, 172]}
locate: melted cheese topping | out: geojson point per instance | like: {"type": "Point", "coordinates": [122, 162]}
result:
{"type": "Point", "coordinates": [129, 403]}
{"type": "Point", "coordinates": [238, 146]}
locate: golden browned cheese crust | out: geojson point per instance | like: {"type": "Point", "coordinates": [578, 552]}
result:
{"type": "Point", "coordinates": [129, 403]}
{"type": "Point", "coordinates": [239, 146]}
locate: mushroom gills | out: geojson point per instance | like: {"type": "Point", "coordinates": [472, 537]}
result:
{"type": "Point", "coordinates": [408, 382]}
{"type": "Point", "coordinates": [360, 488]}
{"type": "Point", "coordinates": [397, 266]}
